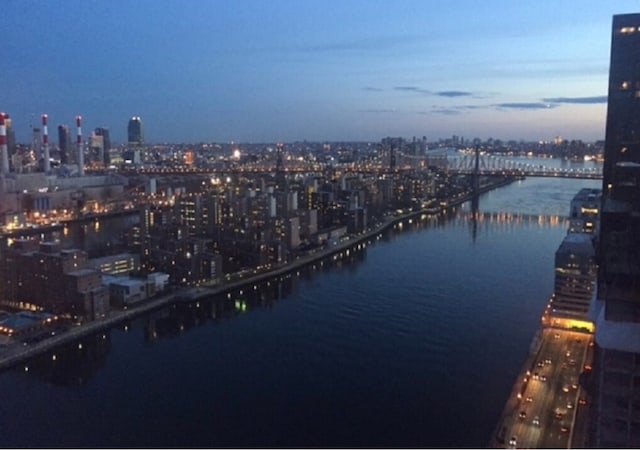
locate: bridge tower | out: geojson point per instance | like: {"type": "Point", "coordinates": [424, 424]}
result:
{"type": "Point", "coordinates": [476, 172]}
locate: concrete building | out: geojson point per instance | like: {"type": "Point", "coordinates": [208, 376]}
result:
{"type": "Point", "coordinates": [105, 156]}
{"type": "Point", "coordinates": [585, 211]}
{"type": "Point", "coordinates": [575, 277]}
{"type": "Point", "coordinates": [38, 192]}
{"type": "Point", "coordinates": [120, 264]}
{"type": "Point", "coordinates": [125, 291]}
{"type": "Point", "coordinates": [54, 280]}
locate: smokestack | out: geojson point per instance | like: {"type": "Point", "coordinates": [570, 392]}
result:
{"type": "Point", "coordinates": [4, 169]}
{"type": "Point", "coordinates": [80, 149]}
{"type": "Point", "coordinates": [45, 143]}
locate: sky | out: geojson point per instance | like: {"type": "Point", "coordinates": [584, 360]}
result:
{"type": "Point", "coordinates": [316, 70]}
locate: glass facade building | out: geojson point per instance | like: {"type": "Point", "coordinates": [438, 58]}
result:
{"type": "Point", "coordinates": [614, 383]}
{"type": "Point", "coordinates": [134, 131]}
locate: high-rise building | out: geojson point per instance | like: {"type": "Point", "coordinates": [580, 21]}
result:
{"type": "Point", "coordinates": [36, 143]}
{"type": "Point", "coordinates": [65, 144]}
{"type": "Point", "coordinates": [11, 136]}
{"type": "Point", "coordinates": [623, 115]}
{"type": "Point", "coordinates": [134, 131]}
{"type": "Point", "coordinates": [106, 144]}
{"type": "Point", "coordinates": [616, 309]}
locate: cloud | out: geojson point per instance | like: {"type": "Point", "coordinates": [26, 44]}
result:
{"type": "Point", "coordinates": [526, 105]}
{"type": "Point", "coordinates": [415, 89]}
{"type": "Point", "coordinates": [372, 89]}
{"type": "Point", "coordinates": [421, 91]}
{"type": "Point", "coordinates": [453, 94]}
{"type": "Point", "coordinates": [444, 111]}
{"type": "Point", "coordinates": [578, 100]}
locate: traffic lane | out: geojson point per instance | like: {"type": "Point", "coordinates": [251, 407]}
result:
{"type": "Point", "coordinates": [562, 415]}
{"type": "Point", "coordinates": [545, 387]}
{"type": "Point", "coordinates": [537, 397]}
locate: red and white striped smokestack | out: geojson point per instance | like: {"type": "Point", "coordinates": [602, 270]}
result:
{"type": "Point", "coordinates": [45, 142]}
{"type": "Point", "coordinates": [4, 150]}
{"type": "Point", "coordinates": [80, 149]}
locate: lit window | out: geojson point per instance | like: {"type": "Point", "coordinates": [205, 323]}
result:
{"type": "Point", "coordinates": [625, 85]}
{"type": "Point", "coordinates": [627, 30]}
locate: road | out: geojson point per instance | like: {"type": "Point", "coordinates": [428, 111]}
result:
{"type": "Point", "coordinates": [547, 393]}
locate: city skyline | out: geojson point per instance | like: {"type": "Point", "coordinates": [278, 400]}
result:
{"type": "Point", "coordinates": [286, 71]}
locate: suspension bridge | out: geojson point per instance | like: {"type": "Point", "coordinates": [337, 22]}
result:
{"type": "Point", "coordinates": [486, 164]}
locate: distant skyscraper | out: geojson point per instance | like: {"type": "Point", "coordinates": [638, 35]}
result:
{"type": "Point", "coordinates": [11, 136]}
{"type": "Point", "coordinates": [136, 136]}
{"type": "Point", "coordinates": [106, 144]}
{"type": "Point", "coordinates": [616, 311]}
{"type": "Point", "coordinates": [36, 143]}
{"type": "Point", "coordinates": [65, 144]}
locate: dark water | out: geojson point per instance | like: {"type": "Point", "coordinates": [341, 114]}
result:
{"type": "Point", "coordinates": [414, 341]}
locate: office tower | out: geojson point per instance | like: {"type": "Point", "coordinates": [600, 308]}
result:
{"type": "Point", "coordinates": [64, 143]}
{"type": "Point", "coordinates": [80, 146]}
{"type": "Point", "coordinates": [106, 144]}
{"type": "Point", "coordinates": [616, 310]}
{"type": "Point", "coordinates": [45, 144]}
{"type": "Point", "coordinates": [4, 150]}
{"type": "Point", "coordinates": [134, 131]}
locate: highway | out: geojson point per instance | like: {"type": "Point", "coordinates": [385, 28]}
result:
{"type": "Point", "coordinates": [541, 412]}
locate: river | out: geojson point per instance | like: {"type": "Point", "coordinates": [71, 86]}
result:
{"type": "Point", "coordinates": [413, 342]}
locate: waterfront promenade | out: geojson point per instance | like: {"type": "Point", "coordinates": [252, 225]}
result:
{"type": "Point", "coordinates": [16, 353]}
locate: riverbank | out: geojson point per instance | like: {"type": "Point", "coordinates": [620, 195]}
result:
{"type": "Point", "coordinates": [17, 353]}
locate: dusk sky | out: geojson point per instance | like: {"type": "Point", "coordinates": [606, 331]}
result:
{"type": "Point", "coordinates": [266, 71]}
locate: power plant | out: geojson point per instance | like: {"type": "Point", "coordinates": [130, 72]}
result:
{"type": "Point", "coordinates": [28, 188]}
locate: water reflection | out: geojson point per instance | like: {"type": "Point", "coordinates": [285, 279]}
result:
{"type": "Point", "coordinates": [184, 316]}
{"type": "Point", "coordinates": [73, 364]}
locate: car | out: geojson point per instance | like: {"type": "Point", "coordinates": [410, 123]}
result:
{"type": "Point", "coordinates": [543, 378]}
{"type": "Point", "coordinates": [570, 405]}
{"type": "Point", "coordinates": [565, 388]}
{"type": "Point", "coordinates": [522, 415]}
{"type": "Point", "coordinates": [582, 401]}
{"type": "Point", "coordinates": [564, 429]}
{"type": "Point", "coordinates": [536, 421]}
{"type": "Point", "coordinates": [574, 386]}
{"type": "Point", "coordinates": [529, 399]}
{"type": "Point", "coordinates": [559, 415]}
{"type": "Point", "coordinates": [536, 376]}
{"type": "Point", "coordinates": [513, 442]}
